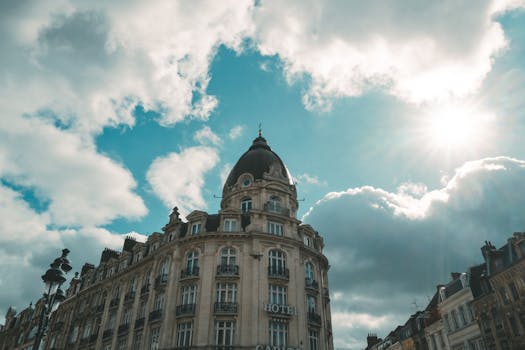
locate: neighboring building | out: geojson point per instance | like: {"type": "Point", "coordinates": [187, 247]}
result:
{"type": "Point", "coordinates": [250, 277]}
{"type": "Point", "coordinates": [500, 298]}
{"type": "Point", "coordinates": [455, 308]}
{"type": "Point", "coordinates": [434, 330]}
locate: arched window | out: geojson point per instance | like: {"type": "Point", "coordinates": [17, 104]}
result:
{"type": "Point", "coordinates": [309, 272]}
{"type": "Point", "coordinates": [274, 204]}
{"type": "Point", "coordinates": [246, 204]}
{"type": "Point", "coordinates": [277, 264]}
{"type": "Point", "coordinates": [228, 256]}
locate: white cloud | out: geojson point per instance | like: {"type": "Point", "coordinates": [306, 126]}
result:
{"type": "Point", "coordinates": [399, 246]}
{"type": "Point", "coordinates": [206, 136]}
{"type": "Point", "coordinates": [236, 132]}
{"type": "Point", "coordinates": [27, 246]}
{"type": "Point", "coordinates": [178, 178]}
{"type": "Point", "coordinates": [309, 179]}
{"type": "Point", "coordinates": [417, 51]}
{"type": "Point", "coordinates": [82, 186]}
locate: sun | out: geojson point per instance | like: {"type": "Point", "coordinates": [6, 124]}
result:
{"type": "Point", "coordinates": [456, 127]}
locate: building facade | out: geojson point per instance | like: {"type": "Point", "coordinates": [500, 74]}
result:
{"type": "Point", "coordinates": [251, 276]}
{"type": "Point", "coordinates": [454, 305]}
{"type": "Point", "coordinates": [500, 298]}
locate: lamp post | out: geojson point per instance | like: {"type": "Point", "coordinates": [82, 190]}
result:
{"type": "Point", "coordinates": [53, 295]}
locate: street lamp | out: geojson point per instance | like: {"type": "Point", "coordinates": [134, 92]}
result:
{"type": "Point", "coordinates": [53, 295]}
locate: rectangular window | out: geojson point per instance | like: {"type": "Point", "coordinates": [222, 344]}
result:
{"type": "Point", "coordinates": [447, 323]}
{"type": "Point", "coordinates": [195, 228]}
{"type": "Point", "coordinates": [137, 342]}
{"type": "Point", "coordinates": [154, 338]}
{"type": "Point", "coordinates": [514, 326]}
{"type": "Point", "coordinates": [224, 332]}
{"type": "Point", "coordinates": [122, 344]}
{"type": "Point", "coordinates": [277, 294]}
{"type": "Point", "coordinates": [112, 320]}
{"type": "Point", "coordinates": [158, 304]}
{"type": "Point", "coordinates": [126, 316]}
{"type": "Point", "coordinates": [463, 315]}
{"type": "Point", "coordinates": [226, 292]}
{"type": "Point", "coordinates": [275, 228]}
{"type": "Point", "coordinates": [310, 300]}
{"type": "Point", "coordinates": [278, 333]}
{"type": "Point", "coordinates": [454, 316]}
{"type": "Point", "coordinates": [189, 294]}
{"type": "Point", "coordinates": [142, 310]}
{"type": "Point", "coordinates": [313, 337]}
{"type": "Point", "coordinates": [184, 334]}
{"type": "Point", "coordinates": [514, 291]}
{"type": "Point", "coordinates": [504, 296]}
{"type": "Point", "coordinates": [230, 225]}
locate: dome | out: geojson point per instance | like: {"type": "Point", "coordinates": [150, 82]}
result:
{"type": "Point", "coordinates": [259, 159]}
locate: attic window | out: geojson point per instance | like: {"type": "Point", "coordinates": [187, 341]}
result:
{"type": "Point", "coordinates": [196, 228]}
{"type": "Point", "coordinates": [307, 240]}
{"type": "Point", "coordinates": [230, 225]}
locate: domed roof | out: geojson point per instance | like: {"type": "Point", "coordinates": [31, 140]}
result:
{"type": "Point", "coordinates": [259, 159]}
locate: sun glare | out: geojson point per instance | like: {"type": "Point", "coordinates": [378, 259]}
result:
{"type": "Point", "coordinates": [456, 127]}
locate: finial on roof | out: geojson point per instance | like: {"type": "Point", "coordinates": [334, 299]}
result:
{"type": "Point", "coordinates": [260, 130]}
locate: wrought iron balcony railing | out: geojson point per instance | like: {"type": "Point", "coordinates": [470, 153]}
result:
{"type": "Point", "coordinates": [225, 307]}
{"type": "Point", "coordinates": [278, 272]}
{"type": "Point", "coordinates": [227, 270]}
{"type": "Point", "coordinates": [185, 309]}
{"type": "Point", "coordinates": [190, 272]}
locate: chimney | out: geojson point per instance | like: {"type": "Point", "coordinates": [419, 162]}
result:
{"type": "Point", "coordinates": [371, 340]}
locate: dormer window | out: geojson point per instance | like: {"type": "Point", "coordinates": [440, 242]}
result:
{"type": "Point", "coordinates": [307, 240]}
{"type": "Point", "coordinates": [230, 225]}
{"type": "Point", "coordinates": [246, 205]}
{"type": "Point", "coordinates": [196, 228]}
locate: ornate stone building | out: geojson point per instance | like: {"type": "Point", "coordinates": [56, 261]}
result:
{"type": "Point", "coordinates": [249, 277]}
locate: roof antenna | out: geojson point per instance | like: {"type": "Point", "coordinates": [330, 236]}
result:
{"type": "Point", "coordinates": [260, 130]}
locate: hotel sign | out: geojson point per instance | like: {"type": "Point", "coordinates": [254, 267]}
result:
{"type": "Point", "coordinates": [280, 309]}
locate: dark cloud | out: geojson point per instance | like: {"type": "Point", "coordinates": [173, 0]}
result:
{"type": "Point", "coordinates": [388, 250]}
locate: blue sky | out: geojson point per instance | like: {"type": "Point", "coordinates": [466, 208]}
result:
{"type": "Point", "coordinates": [401, 122]}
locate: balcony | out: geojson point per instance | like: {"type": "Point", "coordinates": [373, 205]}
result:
{"type": "Point", "coordinates": [190, 272]}
{"type": "Point", "coordinates": [161, 280]}
{"type": "Point", "coordinates": [271, 207]}
{"type": "Point", "coordinates": [114, 302]}
{"type": "Point", "coordinates": [225, 308]}
{"type": "Point", "coordinates": [311, 284]}
{"type": "Point", "coordinates": [129, 297]}
{"type": "Point", "coordinates": [314, 318]}
{"type": "Point", "coordinates": [123, 329]}
{"type": "Point", "coordinates": [185, 310]}
{"type": "Point", "coordinates": [139, 323]}
{"type": "Point", "coordinates": [84, 341]}
{"type": "Point", "coordinates": [227, 270]}
{"type": "Point", "coordinates": [107, 333]}
{"type": "Point", "coordinates": [155, 315]}
{"type": "Point", "coordinates": [278, 272]}
{"type": "Point", "coordinates": [144, 290]}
